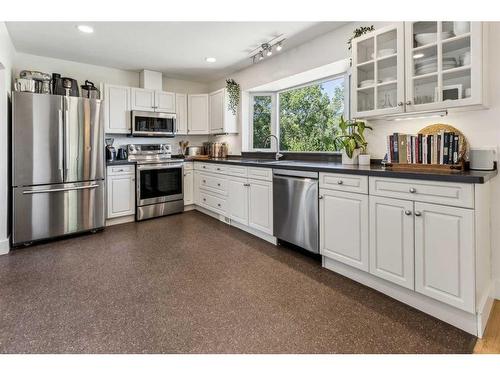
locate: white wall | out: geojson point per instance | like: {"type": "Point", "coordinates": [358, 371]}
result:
{"type": "Point", "coordinates": [326, 49]}
{"type": "Point", "coordinates": [6, 61]}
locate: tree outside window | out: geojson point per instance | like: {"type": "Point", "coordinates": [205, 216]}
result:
{"type": "Point", "coordinates": [262, 112]}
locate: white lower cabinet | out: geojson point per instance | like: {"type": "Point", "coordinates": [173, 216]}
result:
{"type": "Point", "coordinates": [391, 240]}
{"type": "Point", "coordinates": [237, 199]}
{"type": "Point", "coordinates": [260, 205]}
{"type": "Point", "coordinates": [344, 227]}
{"type": "Point", "coordinates": [188, 187]}
{"type": "Point", "coordinates": [120, 192]}
{"type": "Point", "coordinates": [444, 254]}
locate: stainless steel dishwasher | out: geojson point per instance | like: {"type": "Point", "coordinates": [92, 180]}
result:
{"type": "Point", "coordinates": [295, 197]}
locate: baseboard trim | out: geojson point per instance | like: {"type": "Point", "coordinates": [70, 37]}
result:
{"type": "Point", "coordinates": [4, 246]}
{"type": "Point", "coordinates": [120, 220]}
{"type": "Point", "coordinates": [456, 317]}
{"type": "Point", "coordinates": [245, 228]}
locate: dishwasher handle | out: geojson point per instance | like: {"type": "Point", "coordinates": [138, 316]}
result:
{"type": "Point", "coordinates": [294, 173]}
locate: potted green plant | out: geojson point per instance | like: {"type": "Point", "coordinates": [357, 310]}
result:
{"type": "Point", "coordinates": [352, 140]}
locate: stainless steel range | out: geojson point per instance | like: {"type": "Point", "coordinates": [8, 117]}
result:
{"type": "Point", "coordinates": [159, 180]}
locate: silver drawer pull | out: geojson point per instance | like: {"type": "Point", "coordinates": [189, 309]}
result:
{"type": "Point", "coordinates": [204, 167]}
{"type": "Point", "coordinates": [407, 212]}
{"type": "Point", "coordinates": [340, 182]}
{"type": "Point", "coordinates": [246, 184]}
{"type": "Point", "coordinates": [413, 190]}
{"type": "Point", "coordinates": [218, 169]}
{"type": "Point", "coordinates": [62, 189]}
{"type": "Point", "coordinates": [418, 213]}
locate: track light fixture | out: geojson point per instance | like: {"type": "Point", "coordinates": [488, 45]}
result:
{"type": "Point", "coordinates": [267, 49]}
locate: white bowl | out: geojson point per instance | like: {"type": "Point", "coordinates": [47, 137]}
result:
{"type": "Point", "coordinates": [428, 38]}
{"type": "Point", "coordinates": [386, 52]}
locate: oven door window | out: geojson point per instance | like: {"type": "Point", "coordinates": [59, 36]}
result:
{"type": "Point", "coordinates": [160, 183]}
{"type": "Point", "coordinates": [153, 124]}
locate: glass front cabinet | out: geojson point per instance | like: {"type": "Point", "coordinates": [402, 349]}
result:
{"type": "Point", "coordinates": [417, 66]}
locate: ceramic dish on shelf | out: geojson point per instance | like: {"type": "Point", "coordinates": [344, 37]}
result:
{"type": "Point", "coordinates": [367, 83]}
{"type": "Point", "coordinates": [428, 38]}
{"type": "Point", "coordinates": [388, 79]}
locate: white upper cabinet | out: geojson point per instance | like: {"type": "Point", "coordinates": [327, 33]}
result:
{"type": "Point", "coordinates": [152, 100]}
{"type": "Point", "coordinates": [165, 101]}
{"type": "Point", "coordinates": [417, 66]}
{"type": "Point", "coordinates": [117, 109]}
{"type": "Point", "coordinates": [221, 119]}
{"type": "Point", "coordinates": [378, 72]}
{"type": "Point", "coordinates": [181, 113]}
{"type": "Point", "coordinates": [443, 64]}
{"type": "Point", "coordinates": [143, 99]}
{"type": "Point", "coordinates": [343, 235]}
{"type": "Point", "coordinates": [198, 114]}
{"type": "Point", "coordinates": [445, 255]}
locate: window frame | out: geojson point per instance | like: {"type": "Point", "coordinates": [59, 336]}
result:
{"type": "Point", "coordinates": [273, 96]}
{"type": "Point", "coordinates": [275, 110]}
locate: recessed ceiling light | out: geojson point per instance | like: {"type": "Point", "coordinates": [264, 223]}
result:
{"type": "Point", "coordinates": [210, 59]}
{"type": "Point", "coordinates": [85, 29]}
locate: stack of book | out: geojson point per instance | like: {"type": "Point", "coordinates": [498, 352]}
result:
{"type": "Point", "coordinates": [439, 148]}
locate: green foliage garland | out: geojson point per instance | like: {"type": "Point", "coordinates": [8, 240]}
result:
{"type": "Point", "coordinates": [358, 32]}
{"type": "Point", "coordinates": [233, 90]}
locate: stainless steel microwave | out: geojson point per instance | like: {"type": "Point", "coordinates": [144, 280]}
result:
{"type": "Point", "coordinates": [153, 124]}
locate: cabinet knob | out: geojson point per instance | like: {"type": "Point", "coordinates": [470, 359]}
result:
{"type": "Point", "coordinates": [320, 197]}
{"type": "Point", "coordinates": [418, 213]}
{"type": "Point", "coordinates": [218, 184]}
{"type": "Point", "coordinates": [407, 212]}
{"type": "Point", "coordinates": [413, 190]}
{"type": "Point", "coordinates": [204, 199]}
{"type": "Point", "coordinates": [218, 169]}
{"type": "Point", "coordinates": [400, 104]}
{"type": "Point", "coordinates": [218, 204]}
{"type": "Point", "coordinates": [340, 182]}
{"type": "Point", "coordinates": [246, 184]}
{"type": "Point", "coordinates": [204, 181]}
{"type": "Point", "coordinates": [408, 102]}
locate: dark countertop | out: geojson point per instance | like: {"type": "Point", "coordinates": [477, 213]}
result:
{"type": "Point", "coordinates": [473, 177]}
{"type": "Point", "coordinates": [119, 162]}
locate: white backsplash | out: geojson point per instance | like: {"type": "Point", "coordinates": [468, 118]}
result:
{"type": "Point", "coordinates": [194, 140]}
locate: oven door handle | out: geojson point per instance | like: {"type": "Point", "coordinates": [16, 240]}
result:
{"type": "Point", "coordinates": [162, 166]}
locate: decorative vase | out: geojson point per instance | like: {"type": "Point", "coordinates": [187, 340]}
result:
{"type": "Point", "coordinates": [364, 159]}
{"type": "Point", "coordinates": [347, 160]}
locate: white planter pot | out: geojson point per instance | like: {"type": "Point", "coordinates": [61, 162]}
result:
{"type": "Point", "coordinates": [348, 160]}
{"type": "Point", "coordinates": [364, 159]}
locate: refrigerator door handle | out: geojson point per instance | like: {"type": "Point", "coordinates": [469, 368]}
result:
{"type": "Point", "coordinates": [60, 151]}
{"type": "Point", "coordinates": [61, 189]}
{"type": "Point", "coordinates": [66, 141]}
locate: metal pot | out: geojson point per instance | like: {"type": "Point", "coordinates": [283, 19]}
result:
{"type": "Point", "coordinates": [90, 91]}
{"type": "Point", "coordinates": [194, 150]}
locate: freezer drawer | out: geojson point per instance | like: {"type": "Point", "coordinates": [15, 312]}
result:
{"type": "Point", "coordinates": [48, 211]}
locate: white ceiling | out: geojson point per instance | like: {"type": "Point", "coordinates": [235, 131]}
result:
{"type": "Point", "coordinates": [177, 49]}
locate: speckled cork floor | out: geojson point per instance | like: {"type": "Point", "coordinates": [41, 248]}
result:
{"type": "Point", "coordinates": [190, 284]}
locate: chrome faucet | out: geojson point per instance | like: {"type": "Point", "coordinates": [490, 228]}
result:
{"type": "Point", "coordinates": [278, 155]}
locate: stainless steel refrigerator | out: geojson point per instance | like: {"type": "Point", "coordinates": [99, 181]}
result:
{"type": "Point", "coordinates": [57, 166]}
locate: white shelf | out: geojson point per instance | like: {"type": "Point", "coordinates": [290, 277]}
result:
{"type": "Point", "coordinates": [365, 63]}
{"type": "Point", "coordinates": [381, 84]}
{"type": "Point", "coordinates": [456, 38]}
{"type": "Point", "coordinates": [427, 75]}
{"type": "Point", "coordinates": [457, 69]}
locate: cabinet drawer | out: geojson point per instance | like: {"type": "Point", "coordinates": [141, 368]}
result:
{"type": "Point", "coordinates": [214, 183]}
{"type": "Point", "coordinates": [207, 167]}
{"type": "Point", "coordinates": [344, 182]}
{"type": "Point", "coordinates": [447, 193]}
{"type": "Point", "coordinates": [188, 166]}
{"type": "Point", "coordinates": [212, 202]}
{"type": "Point", "coordinates": [260, 173]}
{"type": "Point", "coordinates": [237, 171]}
{"type": "Point", "coordinates": [121, 169]}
